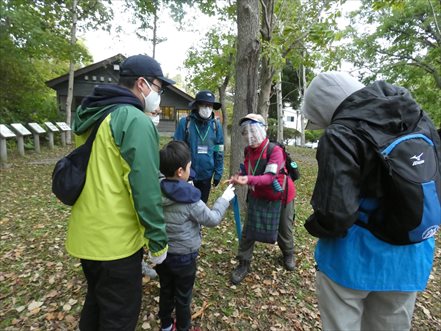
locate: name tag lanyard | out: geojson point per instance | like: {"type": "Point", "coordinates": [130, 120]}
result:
{"type": "Point", "coordinates": [253, 171]}
{"type": "Point", "coordinates": [199, 133]}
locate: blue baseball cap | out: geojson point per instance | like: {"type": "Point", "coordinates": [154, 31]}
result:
{"type": "Point", "coordinates": [143, 66]}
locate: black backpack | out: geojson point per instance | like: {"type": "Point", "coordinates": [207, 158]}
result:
{"type": "Point", "coordinates": [69, 175]}
{"type": "Point", "coordinates": [291, 168]}
{"type": "Point", "coordinates": [410, 208]}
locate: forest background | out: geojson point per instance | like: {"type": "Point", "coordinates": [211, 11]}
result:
{"type": "Point", "coordinates": [398, 41]}
{"type": "Point", "coordinates": [251, 50]}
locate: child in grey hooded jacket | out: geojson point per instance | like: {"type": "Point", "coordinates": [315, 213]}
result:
{"type": "Point", "coordinates": [184, 213]}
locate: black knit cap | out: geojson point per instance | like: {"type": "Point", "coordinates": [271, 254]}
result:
{"type": "Point", "coordinates": [143, 66]}
{"type": "Point", "coordinates": [205, 96]}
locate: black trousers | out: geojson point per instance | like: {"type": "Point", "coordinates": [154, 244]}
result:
{"type": "Point", "coordinates": [204, 186]}
{"type": "Point", "coordinates": [176, 293]}
{"type": "Point", "coordinates": [114, 292]}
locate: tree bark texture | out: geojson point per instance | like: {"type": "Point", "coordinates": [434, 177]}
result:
{"type": "Point", "coordinates": [222, 99]}
{"type": "Point", "coordinates": [266, 68]}
{"type": "Point", "coordinates": [247, 59]}
{"type": "Point", "coordinates": [73, 40]}
{"type": "Point", "coordinates": [266, 82]}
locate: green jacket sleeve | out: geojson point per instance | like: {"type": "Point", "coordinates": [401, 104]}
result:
{"type": "Point", "coordinates": [138, 141]}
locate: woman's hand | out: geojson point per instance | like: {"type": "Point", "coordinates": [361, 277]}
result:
{"type": "Point", "coordinates": [237, 179]}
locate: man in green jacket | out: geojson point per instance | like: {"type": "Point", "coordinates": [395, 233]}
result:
{"type": "Point", "coordinates": [119, 210]}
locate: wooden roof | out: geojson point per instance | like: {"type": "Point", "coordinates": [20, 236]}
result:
{"type": "Point", "coordinates": [111, 60]}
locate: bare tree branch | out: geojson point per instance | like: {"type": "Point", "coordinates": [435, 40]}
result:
{"type": "Point", "coordinates": [434, 18]}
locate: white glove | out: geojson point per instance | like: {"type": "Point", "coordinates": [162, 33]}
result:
{"type": "Point", "coordinates": [157, 259]}
{"type": "Point", "coordinates": [229, 193]}
{"type": "Point", "coordinates": [147, 271]}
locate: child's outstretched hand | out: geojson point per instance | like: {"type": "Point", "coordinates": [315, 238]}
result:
{"type": "Point", "coordinates": [229, 193]}
{"type": "Point", "coordinates": [147, 271]}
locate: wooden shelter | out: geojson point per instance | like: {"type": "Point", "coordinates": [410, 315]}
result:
{"type": "Point", "coordinates": [174, 102]}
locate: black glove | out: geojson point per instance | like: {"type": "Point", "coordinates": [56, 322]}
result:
{"type": "Point", "coordinates": [216, 182]}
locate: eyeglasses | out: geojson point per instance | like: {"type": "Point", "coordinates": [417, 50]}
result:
{"type": "Point", "coordinates": [160, 89]}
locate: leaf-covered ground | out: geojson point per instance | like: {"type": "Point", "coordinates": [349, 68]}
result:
{"type": "Point", "coordinates": [42, 287]}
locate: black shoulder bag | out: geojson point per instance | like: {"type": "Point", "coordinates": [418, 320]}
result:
{"type": "Point", "coordinates": [69, 174]}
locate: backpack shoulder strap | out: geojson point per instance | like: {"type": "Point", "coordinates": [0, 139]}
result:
{"type": "Point", "coordinates": [271, 146]}
{"type": "Point", "coordinates": [268, 155]}
{"type": "Point", "coordinates": [215, 124]}
{"type": "Point", "coordinates": [92, 134]}
{"type": "Point", "coordinates": [269, 150]}
{"type": "Point", "coordinates": [187, 126]}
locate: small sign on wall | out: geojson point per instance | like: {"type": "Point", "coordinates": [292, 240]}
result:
{"type": "Point", "coordinates": [5, 132]}
{"type": "Point", "coordinates": [51, 127]}
{"type": "Point", "coordinates": [36, 128]}
{"type": "Point", "coordinates": [63, 126]}
{"type": "Point", "coordinates": [20, 129]}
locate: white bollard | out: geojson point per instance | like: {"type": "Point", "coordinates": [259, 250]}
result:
{"type": "Point", "coordinates": [52, 128]}
{"type": "Point", "coordinates": [64, 128]}
{"type": "Point", "coordinates": [5, 133]}
{"type": "Point", "coordinates": [3, 151]}
{"type": "Point", "coordinates": [36, 131]}
{"type": "Point", "coordinates": [21, 132]}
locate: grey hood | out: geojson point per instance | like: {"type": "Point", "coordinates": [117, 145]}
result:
{"type": "Point", "coordinates": [323, 96]}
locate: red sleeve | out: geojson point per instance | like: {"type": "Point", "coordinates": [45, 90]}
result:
{"type": "Point", "coordinates": [267, 179]}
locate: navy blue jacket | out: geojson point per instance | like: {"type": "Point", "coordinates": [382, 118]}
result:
{"type": "Point", "coordinates": [206, 141]}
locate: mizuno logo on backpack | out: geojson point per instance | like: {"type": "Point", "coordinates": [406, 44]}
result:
{"type": "Point", "coordinates": [418, 159]}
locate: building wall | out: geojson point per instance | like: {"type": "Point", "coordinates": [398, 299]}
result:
{"type": "Point", "coordinates": [174, 100]}
{"type": "Point", "coordinates": [85, 83]}
{"type": "Point", "coordinates": [292, 119]}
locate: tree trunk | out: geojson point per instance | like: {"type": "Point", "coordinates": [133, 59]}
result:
{"type": "Point", "coordinates": [222, 99]}
{"type": "Point", "coordinates": [266, 81]}
{"type": "Point", "coordinates": [73, 40]}
{"type": "Point", "coordinates": [155, 31]}
{"type": "Point", "coordinates": [279, 108]}
{"type": "Point", "coordinates": [302, 118]}
{"type": "Point", "coordinates": [266, 68]}
{"type": "Point", "coordinates": [247, 58]}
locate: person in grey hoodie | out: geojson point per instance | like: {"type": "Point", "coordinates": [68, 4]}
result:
{"type": "Point", "coordinates": [363, 282]}
{"type": "Point", "coordinates": [184, 213]}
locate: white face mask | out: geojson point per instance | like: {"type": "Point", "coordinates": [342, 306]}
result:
{"type": "Point", "coordinates": [155, 119]}
{"type": "Point", "coordinates": [205, 112]}
{"type": "Point", "coordinates": [151, 101]}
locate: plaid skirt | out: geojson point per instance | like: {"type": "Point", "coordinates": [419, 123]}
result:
{"type": "Point", "coordinates": [263, 220]}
